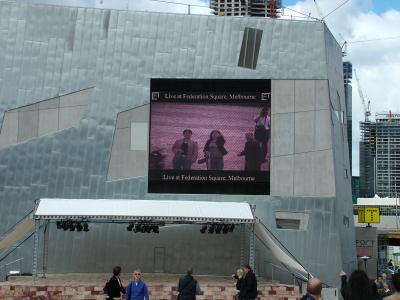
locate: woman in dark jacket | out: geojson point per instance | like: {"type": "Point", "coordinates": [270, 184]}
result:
{"type": "Point", "coordinates": [214, 151]}
{"type": "Point", "coordinates": [239, 282]}
{"type": "Point", "coordinates": [114, 286]}
{"type": "Point", "coordinates": [358, 287]}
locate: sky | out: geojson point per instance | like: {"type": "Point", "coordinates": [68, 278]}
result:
{"type": "Point", "coordinates": [356, 22]}
{"type": "Point", "coordinates": [377, 62]}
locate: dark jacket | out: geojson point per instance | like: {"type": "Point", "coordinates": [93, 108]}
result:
{"type": "Point", "coordinates": [252, 154]}
{"type": "Point", "coordinates": [188, 288]}
{"type": "Point", "coordinates": [239, 283]}
{"type": "Point", "coordinates": [113, 288]}
{"type": "Point", "coordinates": [366, 293]}
{"type": "Point", "coordinates": [307, 297]}
{"type": "Point", "coordinates": [220, 144]}
{"type": "Point", "coordinates": [249, 286]}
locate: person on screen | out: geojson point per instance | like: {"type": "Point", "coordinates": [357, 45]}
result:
{"type": "Point", "coordinates": [262, 130]}
{"type": "Point", "coordinates": [252, 153]}
{"type": "Point", "coordinates": [214, 151]}
{"type": "Point", "coordinates": [185, 152]}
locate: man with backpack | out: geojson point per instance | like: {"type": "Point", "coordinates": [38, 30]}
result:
{"type": "Point", "coordinates": [188, 287]}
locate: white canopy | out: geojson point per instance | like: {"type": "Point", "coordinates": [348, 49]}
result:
{"type": "Point", "coordinates": [155, 210]}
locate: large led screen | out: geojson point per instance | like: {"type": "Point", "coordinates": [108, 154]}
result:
{"type": "Point", "coordinates": [210, 136]}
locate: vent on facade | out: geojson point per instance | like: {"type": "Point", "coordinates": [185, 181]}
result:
{"type": "Point", "coordinates": [250, 48]}
{"type": "Point", "coordinates": [291, 220]}
{"type": "Point", "coordinates": [288, 224]}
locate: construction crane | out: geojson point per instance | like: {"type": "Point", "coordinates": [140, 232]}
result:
{"type": "Point", "coordinates": [366, 104]}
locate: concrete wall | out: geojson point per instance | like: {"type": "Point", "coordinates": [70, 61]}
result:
{"type": "Point", "coordinates": [343, 205]}
{"type": "Point", "coordinates": [118, 52]}
{"type": "Point", "coordinates": [301, 139]}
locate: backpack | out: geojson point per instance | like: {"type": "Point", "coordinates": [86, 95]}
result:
{"type": "Point", "coordinates": [106, 287]}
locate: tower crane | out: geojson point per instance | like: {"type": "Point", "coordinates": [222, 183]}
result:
{"type": "Point", "coordinates": [366, 104]}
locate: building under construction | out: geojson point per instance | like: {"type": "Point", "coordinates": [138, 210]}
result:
{"type": "Point", "coordinates": [380, 156]}
{"type": "Point", "coordinates": [256, 8]}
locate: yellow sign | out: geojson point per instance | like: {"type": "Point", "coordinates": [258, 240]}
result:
{"type": "Point", "coordinates": [369, 215]}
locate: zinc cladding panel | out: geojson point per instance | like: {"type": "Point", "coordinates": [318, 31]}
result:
{"type": "Point", "coordinates": [99, 59]}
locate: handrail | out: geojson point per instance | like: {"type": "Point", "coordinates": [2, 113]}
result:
{"type": "Point", "coordinates": [284, 247]}
{"type": "Point", "coordinates": [291, 272]}
{"type": "Point", "coordinates": [285, 270]}
{"type": "Point", "coordinates": [297, 276]}
{"type": "Point", "coordinates": [15, 247]}
{"type": "Point", "coordinates": [4, 268]}
{"type": "Point", "coordinates": [13, 262]}
{"type": "Point", "coordinates": [16, 224]}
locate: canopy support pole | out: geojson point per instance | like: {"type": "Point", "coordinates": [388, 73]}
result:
{"type": "Point", "coordinates": [251, 247]}
{"type": "Point", "coordinates": [35, 250]}
{"type": "Point", "coordinates": [45, 246]}
{"type": "Point", "coordinates": [242, 243]}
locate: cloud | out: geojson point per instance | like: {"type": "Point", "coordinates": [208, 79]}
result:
{"type": "Point", "coordinates": [377, 62]}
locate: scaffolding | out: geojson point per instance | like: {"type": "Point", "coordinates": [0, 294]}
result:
{"type": "Point", "coordinates": [367, 159]}
{"type": "Point", "coordinates": [256, 8]}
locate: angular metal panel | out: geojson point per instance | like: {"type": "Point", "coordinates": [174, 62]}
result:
{"type": "Point", "coordinates": [41, 59]}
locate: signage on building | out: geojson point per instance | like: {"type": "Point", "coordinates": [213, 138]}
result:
{"type": "Point", "coordinates": [369, 215]}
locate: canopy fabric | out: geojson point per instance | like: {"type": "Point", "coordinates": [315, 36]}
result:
{"type": "Point", "coordinates": [156, 210]}
{"type": "Point", "coordinates": [278, 252]}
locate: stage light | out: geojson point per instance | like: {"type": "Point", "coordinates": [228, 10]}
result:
{"type": "Point", "coordinates": [130, 227]}
{"type": "Point", "coordinates": [59, 224]}
{"type": "Point", "coordinates": [65, 225]}
{"type": "Point", "coordinates": [211, 229]}
{"type": "Point", "coordinates": [143, 228]}
{"type": "Point", "coordinates": [78, 226]}
{"type": "Point", "coordinates": [155, 229]}
{"type": "Point", "coordinates": [148, 228]}
{"type": "Point", "coordinates": [218, 229]}
{"type": "Point", "coordinates": [85, 227]}
{"type": "Point", "coordinates": [71, 226]}
{"type": "Point", "coordinates": [203, 229]}
{"type": "Point", "coordinates": [226, 228]}
{"type": "Point", "coordinates": [137, 228]}
{"type": "Point", "coordinates": [231, 227]}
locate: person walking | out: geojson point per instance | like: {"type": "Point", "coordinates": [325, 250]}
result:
{"type": "Point", "coordinates": [248, 289]}
{"type": "Point", "coordinates": [137, 288]}
{"type": "Point", "coordinates": [188, 287]}
{"type": "Point", "coordinates": [114, 287]}
{"type": "Point", "coordinates": [314, 289]}
{"type": "Point", "coordinates": [239, 281]}
{"type": "Point", "coordinates": [358, 287]}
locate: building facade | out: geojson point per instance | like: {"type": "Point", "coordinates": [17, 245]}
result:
{"type": "Point", "coordinates": [255, 8]}
{"type": "Point", "coordinates": [75, 89]}
{"type": "Point", "coordinates": [380, 155]}
{"type": "Point", "coordinates": [348, 90]}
